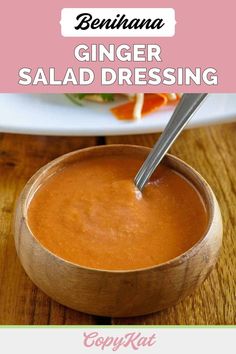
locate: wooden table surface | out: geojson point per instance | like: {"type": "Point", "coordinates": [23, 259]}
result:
{"type": "Point", "coordinates": [211, 150]}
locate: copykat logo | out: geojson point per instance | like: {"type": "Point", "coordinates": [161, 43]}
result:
{"type": "Point", "coordinates": [131, 341]}
{"type": "Point", "coordinates": [113, 22]}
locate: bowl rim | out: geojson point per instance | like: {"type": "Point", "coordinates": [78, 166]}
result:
{"type": "Point", "coordinates": [24, 202]}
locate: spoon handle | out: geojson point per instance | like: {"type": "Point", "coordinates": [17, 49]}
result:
{"type": "Point", "coordinates": [180, 117]}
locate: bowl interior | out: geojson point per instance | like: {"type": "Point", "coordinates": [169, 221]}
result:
{"type": "Point", "coordinates": [173, 162]}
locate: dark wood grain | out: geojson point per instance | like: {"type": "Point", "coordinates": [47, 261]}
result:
{"type": "Point", "coordinates": [211, 150]}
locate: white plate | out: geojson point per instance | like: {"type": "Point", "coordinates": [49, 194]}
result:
{"type": "Point", "coordinates": [57, 115]}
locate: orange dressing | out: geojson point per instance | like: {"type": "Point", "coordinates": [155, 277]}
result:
{"type": "Point", "coordinates": [91, 214]}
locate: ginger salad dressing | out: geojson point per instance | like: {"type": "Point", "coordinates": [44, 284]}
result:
{"type": "Point", "coordinates": [91, 214]}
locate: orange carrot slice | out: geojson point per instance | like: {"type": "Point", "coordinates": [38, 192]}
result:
{"type": "Point", "coordinates": [152, 102]}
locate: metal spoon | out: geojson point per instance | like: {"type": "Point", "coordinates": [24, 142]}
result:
{"type": "Point", "coordinates": [184, 111]}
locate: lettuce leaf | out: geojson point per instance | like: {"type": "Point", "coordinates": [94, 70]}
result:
{"type": "Point", "coordinates": [77, 97]}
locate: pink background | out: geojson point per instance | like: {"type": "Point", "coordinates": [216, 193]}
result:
{"type": "Point", "coordinates": [31, 37]}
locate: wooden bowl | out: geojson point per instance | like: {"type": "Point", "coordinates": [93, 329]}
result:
{"type": "Point", "coordinates": [117, 293]}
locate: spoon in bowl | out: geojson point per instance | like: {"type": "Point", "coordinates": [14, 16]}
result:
{"type": "Point", "coordinates": [184, 111]}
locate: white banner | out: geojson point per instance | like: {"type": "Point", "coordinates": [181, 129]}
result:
{"type": "Point", "coordinates": [74, 340]}
{"type": "Point", "coordinates": [118, 22]}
